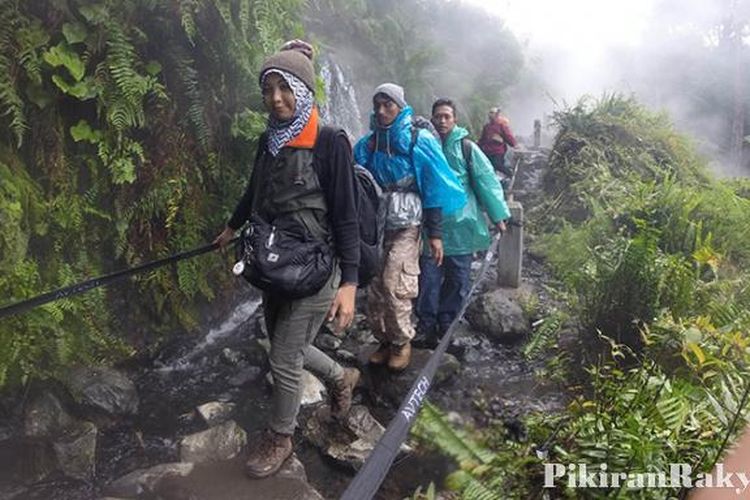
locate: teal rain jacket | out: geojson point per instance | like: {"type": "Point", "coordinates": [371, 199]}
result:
{"type": "Point", "coordinates": [465, 231]}
{"type": "Point", "coordinates": [391, 166]}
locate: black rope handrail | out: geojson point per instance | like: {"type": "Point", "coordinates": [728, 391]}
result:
{"type": "Point", "coordinates": [369, 478]}
{"type": "Point", "coordinates": [87, 285]}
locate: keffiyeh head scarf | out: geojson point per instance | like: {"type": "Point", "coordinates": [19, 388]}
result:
{"type": "Point", "coordinates": [281, 132]}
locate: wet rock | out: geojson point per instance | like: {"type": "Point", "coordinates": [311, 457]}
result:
{"type": "Point", "coordinates": [327, 341]}
{"type": "Point", "coordinates": [345, 355]}
{"type": "Point", "coordinates": [215, 413]}
{"type": "Point", "coordinates": [187, 418]}
{"type": "Point", "coordinates": [312, 388]}
{"type": "Point", "coordinates": [391, 388]}
{"type": "Point", "coordinates": [464, 337]}
{"type": "Point", "coordinates": [143, 481]}
{"type": "Point", "coordinates": [71, 454]}
{"type": "Point", "coordinates": [6, 432]}
{"type": "Point", "coordinates": [350, 441]}
{"type": "Point", "coordinates": [256, 351]}
{"type": "Point", "coordinates": [44, 416]}
{"type": "Point", "coordinates": [498, 316]}
{"type": "Point", "coordinates": [227, 481]}
{"type": "Point", "coordinates": [361, 334]}
{"type": "Point", "coordinates": [215, 444]}
{"type": "Point", "coordinates": [76, 451]}
{"type": "Point", "coordinates": [58, 489]}
{"type": "Point", "coordinates": [245, 376]}
{"type": "Point", "coordinates": [104, 389]}
{"type": "Point", "coordinates": [231, 357]}
{"type": "Point", "coordinates": [35, 462]}
{"type": "Point", "coordinates": [12, 492]}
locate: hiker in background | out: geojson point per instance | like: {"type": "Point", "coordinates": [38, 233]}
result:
{"type": "Point", "coordinates": [495, 140]}
{"type": "Point", "coordinates": [290, 187]}
{"type": "Point", "coordinates": [420, 188]}
{"type": "Point", "coordinates": [443, 289]}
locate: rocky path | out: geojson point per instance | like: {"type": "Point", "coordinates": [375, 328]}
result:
{"type": "Point", "coordinates": [175, 427]}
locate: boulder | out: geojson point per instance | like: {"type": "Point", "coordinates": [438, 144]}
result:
{"type": "Point", "coordinates": [227, 481]}
{"type": "Point", "coordinates": [143, 481]}
{"type": "Point", "coordinates": [215, 413]}
{"type": "Point", "coordinates": [312, 388]}
{"type": "Point", "coordinates": [348, 441]}
{"type": "Point", "coordinates": [499, 317]}
{"type": "Point", "coordinates": [347, 356]}
{"type": "Point", "coordinates": [105, 389]}
{"type": "Point", "coordinates": [232, 357]}
{"type": "Point", "coordinates": [327, 341]}
{"type": "Point", "coordinates": [44, 416]}
{"type": "Point", "coordinates": [215, 444]}
{"type": "Point", "coordinates": [245, 376]}
{"type": "Point", "coordinates": [76, 451]}
{"type": "Point", "coordinates": [12, 492]}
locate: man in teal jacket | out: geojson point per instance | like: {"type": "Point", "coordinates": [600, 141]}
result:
{"type": "Point", "coordinates": [442, 289]}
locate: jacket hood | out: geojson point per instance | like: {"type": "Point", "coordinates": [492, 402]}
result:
{"type": "Point", "coordinates": [397, 135]}
{"type": "Point", "coordinates": [455, 135]}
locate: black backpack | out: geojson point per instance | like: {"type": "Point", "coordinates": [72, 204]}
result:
{"type": "Point", "coordinates": [369, 209]}
{"type": "Point", "coordinates": [418, 122]}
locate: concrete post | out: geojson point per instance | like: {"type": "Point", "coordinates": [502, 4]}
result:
{"type": "Point", "coordinates": [510, 251]}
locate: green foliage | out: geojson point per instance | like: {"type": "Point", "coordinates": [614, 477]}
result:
{"type": "Point", "coordinates": [545, 335]}
{"type": "Point", "coordinates": [643, 227]}
{"type": "Point", "coordinates": [482, 474]}
{"type": "Point", "coordinates": [429, 493]}
{"type": "Point", "coordinates": [117, 147]}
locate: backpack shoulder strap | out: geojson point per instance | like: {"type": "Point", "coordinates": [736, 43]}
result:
{"type": "Point", "coordinates": [324, 142]}
{"type": "Point", "coordinates": [257, 174]}
{"type": "Point", "coordinates": [414, 137]}
{"type": "Point", "coordinates": [466, 149]}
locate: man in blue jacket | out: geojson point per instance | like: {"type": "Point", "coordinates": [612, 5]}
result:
{"type": "Point", "coordinates": [442, 289]}
{"type": "Point", "coordinates": [419, 186]}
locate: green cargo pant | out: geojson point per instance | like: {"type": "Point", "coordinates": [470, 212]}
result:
{"type": "Point", "coordinates": [292, 326]}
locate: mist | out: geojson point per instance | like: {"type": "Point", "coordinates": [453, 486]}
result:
{"type": "Point", "coordinates": [531, 57]}
{"type": "Point", "coordinates": [679, 57]}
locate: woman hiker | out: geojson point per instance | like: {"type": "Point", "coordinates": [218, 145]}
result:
{"type": "Point", "coordinates": [289, 186]}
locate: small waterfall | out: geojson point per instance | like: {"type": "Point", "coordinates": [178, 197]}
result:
{"type": "Point", "coordinates": [340, 108]}
{"type": "Point", "coordinates": [240, 315]}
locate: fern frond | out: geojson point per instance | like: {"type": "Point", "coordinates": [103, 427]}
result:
{"type": "Point", "coordinates": [544, 335]}
{"type": "Point", "coordinates": [434, 428]}
{"type": "Point", "coordinates": [11, 103]}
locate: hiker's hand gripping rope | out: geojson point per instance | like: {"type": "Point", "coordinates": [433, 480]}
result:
{"type": "Point", "coordinates": [224, 237]}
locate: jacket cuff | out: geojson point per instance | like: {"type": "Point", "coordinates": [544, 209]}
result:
{"type": "Point", "coordinates": [235, 224]}
{"type": "Point", "coordinates": [349, 273]}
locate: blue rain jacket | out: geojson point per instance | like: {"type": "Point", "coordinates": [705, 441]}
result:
{"type": "Point", "coordinates": [391, 165]}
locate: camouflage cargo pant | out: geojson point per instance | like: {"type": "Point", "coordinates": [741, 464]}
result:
{"type": "Point", "coordinates": [391, 293]}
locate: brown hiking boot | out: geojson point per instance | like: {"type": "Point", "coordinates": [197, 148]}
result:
{"type": "Point", "coordinates": [381, 356]}
{"type": "Point", "coordinates": [268, 454]}
{"type": "Point", "coordinates": [341, 392]}
{"type": "Point", "coordinates": [400, 356]}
